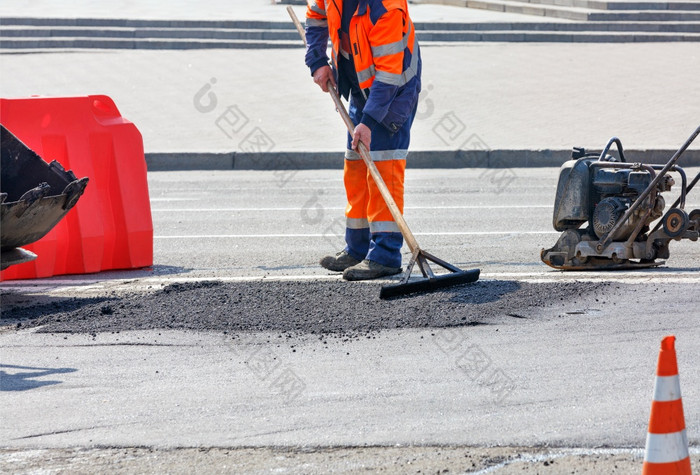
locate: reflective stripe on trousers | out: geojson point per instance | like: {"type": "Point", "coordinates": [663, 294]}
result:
{"type": "Point", "coordinates": [379, 240]}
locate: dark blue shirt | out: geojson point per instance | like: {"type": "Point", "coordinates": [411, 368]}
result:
{"type": "Point", "coordinates": [349, 7]}
{"type": "Point", "coordinates": [347, 76]}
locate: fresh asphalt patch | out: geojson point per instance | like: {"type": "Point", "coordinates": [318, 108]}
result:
{"type": "Point", "coordinates": [312, 307]}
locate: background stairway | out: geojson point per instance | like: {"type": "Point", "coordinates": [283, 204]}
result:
{"type": "Point", "coordinates": [574, 21]}
{"type": "Point", "coordinates": [589, 10]}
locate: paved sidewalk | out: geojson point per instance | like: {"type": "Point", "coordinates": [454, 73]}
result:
{"type": "Point", "coordinates": [496, 96]}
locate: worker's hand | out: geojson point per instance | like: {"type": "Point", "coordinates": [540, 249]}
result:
{"type": "Point", "coordinates": [362, 134]}
{"type": "Point", "coordinates": [322, 75]}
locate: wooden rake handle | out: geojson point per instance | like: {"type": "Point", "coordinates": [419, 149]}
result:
{"type": "Point", "coordinates": [364, 153]}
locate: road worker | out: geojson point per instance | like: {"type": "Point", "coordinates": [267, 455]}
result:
{"type": "Point", "coordinates": [376, 64]}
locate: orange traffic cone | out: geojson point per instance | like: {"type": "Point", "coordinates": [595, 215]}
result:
{"type": "Point", "coordinates": [666, 451]}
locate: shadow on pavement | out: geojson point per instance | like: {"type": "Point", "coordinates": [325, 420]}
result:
{"type": "Point", "coordinates": [156, 270]}
{"type": "Point", "coordinates": [24, 381]}
{"type": "Point", "coordinates": [485, 291]}
{"type": "Point", "coordinates": [480, 292]}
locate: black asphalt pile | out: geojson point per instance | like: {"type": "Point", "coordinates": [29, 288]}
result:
{"type": "Point", "coordinates": [296, 307]}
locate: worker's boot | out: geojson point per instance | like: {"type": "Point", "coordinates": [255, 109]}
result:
{"type": "Point", "coordinates": [367, 270]}
{"type": "Point", "coordinates": [339, 262]}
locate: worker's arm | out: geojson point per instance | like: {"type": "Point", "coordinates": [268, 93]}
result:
{"type": "Point", "coordinates": [317, 42]}
{"type": "Point", "coordinates": [388, 44]}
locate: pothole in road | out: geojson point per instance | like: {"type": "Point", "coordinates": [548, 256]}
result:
{"type": "Point", "coordinates": [299, 307]}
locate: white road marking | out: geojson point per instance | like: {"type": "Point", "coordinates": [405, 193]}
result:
{"type": "Point", "coordinates": [83, 285]}
{"type": "Point", "coordinates": [316, 235]}
{"type": "Point", "coordinates": [477, 207]}
{"type": "Point", "coordinates": [408, 188]}
{"type": "Point", "coordinates": [228, 210]}
{"type": "Point", "coordinates": [639, 277]}
{"type": "Point", "coordinates": [157, 200]}
{"type": "Point", "coordinates": [408, 208]}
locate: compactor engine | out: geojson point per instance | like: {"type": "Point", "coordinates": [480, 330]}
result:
{"type": "Point", "coordinates": [605, 207]}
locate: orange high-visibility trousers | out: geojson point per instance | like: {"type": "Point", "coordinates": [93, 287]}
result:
{"type": "Point", "coordinates": [371, 232]}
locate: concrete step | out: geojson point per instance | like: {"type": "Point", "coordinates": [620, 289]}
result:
{"type": "Point", "coordinates": [153, 33]}
{"type": "Point", "coordinates": [522, 8]}
{"type": "Point", "coordinates": [553, 10]}
{"type": "Point", "coordinates": [631, 15]}
{"type": "Point", "coordinates": [557, 37]}
{"type": "Point", "coordinates": [645, 27]}
{"type": "Point", "coordinates": [426, 37]}
{"type": "Point", "coordinates": [620, 5]}
{"type": "Point", "coordinates": [125, 23]}
{"type": "Point", "coordinates": [36, 34]}
{"type": "Point", "coordinates": [143, 43]}
{"type": "Point", "coordinates": [264, 32]}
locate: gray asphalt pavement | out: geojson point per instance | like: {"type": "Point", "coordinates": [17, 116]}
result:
{"type": "Point", "coordinates": [561, 372]}
{"type": "Point", "coordinates": [217, 224]}
{"type": "Point", "coordinates": [253, 224]}
{"type": "Point", "coordinates": [570, 380]}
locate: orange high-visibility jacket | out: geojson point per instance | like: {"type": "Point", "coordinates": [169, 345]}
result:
{"type": "Point", "coordinates": [384, 50]}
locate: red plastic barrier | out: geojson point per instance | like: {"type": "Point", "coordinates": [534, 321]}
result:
{"type": "Point", "coordinates": [111, 226]}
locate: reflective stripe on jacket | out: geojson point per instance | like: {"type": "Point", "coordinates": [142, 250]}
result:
{"type": "Point", "coordinates": [384, 50]}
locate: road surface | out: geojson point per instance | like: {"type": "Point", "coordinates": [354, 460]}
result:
{"type": "Point", "coordinates": [277, 359]}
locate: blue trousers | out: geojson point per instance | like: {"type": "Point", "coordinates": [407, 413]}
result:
{"type": "Point", "coordinates": [371, 232]}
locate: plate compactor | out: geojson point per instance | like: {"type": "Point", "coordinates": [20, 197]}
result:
{"type": "Point", "coordinates": [619, 201]}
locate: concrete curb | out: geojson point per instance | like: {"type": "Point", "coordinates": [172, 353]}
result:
{"type": "Point", "coordinates": [419, 159]}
